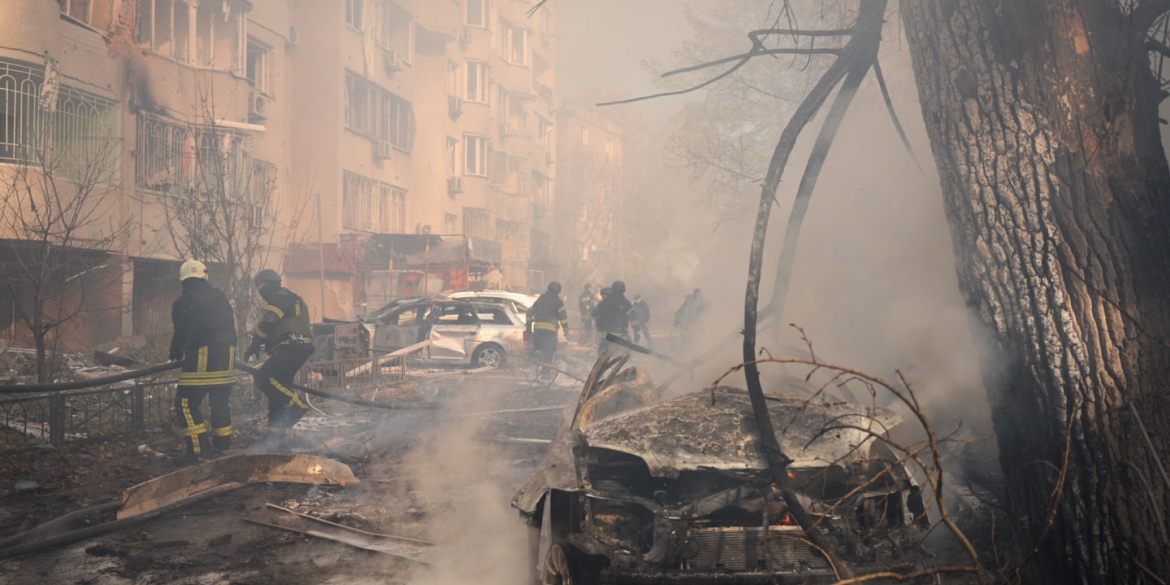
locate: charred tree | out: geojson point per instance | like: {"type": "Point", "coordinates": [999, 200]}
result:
{"type": "Point", "coordinates": [1043, 120]}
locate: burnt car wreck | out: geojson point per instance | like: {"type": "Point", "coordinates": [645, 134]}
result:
{"type": "Point", "coordinates": [677, 492]}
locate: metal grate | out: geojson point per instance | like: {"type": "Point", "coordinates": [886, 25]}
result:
{"type": "Point", "coordinates": [743, 549]}
{"type": "Point", "coordinates": [372, 206]}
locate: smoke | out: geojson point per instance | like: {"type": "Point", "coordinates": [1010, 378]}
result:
{"type": "Point", "coordinates": [466, 483]}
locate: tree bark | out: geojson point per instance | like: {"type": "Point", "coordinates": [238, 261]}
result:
{"type": "Point", "coordinates": [1042, 117]}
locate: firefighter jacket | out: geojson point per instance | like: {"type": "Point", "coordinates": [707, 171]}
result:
{"type": "Point", "coordinates": [205, 335]}
{"type": "Point", "coordinates": [285, 322]}
{"type": "Point", "coordinates": [586, 303]}
{"type": "Point", "coordinates": [642, 310]}
{"type": "Point", "coordinates": [546, 312]}
{"type": "Point", "coordinates": [615, 314]}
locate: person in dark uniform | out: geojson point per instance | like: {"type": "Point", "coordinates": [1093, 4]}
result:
{"type": "Point", "coordinates": [205, 341]}
{"type": "Point", "coordinates": [615, 314]}
{"type": "Point", "coordinates": [585, 304]}
{"type": "Point", "coordinates": [286, 335]}
{"type": "Point", "coordinates": [546, 313]}
{"type": "Point", "coordinates": [642, 328]}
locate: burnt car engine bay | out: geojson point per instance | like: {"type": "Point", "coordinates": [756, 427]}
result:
{"type": "Point", "coordinates": [678, 492]}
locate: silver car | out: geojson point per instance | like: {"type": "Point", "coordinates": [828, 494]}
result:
{"type": "Point", "coordinates": [481, 334]}
{"type": "Point", "coordinates": [520, 302]}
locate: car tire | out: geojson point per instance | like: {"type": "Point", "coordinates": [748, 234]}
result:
{"type": "Point", "coordinates": [488, 355]}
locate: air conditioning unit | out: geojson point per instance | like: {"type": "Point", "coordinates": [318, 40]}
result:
{"type": "Point", "coordinates": [454, 106]}
{"type": "Point", "coordinates": [258, 107]}
{"type": "Point", "coordinates": [294, 36]}
{"type": "Point", "coordinates": [383, 150]}
{"type": "Point", "coordinates": [464, 37]}
{"type": "Point", "coordinates": [422, 229]}
{"type": "Point", "coordinates": [393, 62]}
{"type": "Point", "coordinates": [454, 185]}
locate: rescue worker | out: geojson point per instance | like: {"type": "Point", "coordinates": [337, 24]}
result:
{"type": "Point", "coordinates": [642, 328]}
{"type": "Point", "coordinates": [543, 317]}
{"type": "Point", "coordinates": [693, 306]}
{"type": "Point", "coordinates": [585, 304]}
{"type": "Point", "coordinates": [205, 341]}
{"type": "Point", "coordinates": [615, 314]}
{"type": "Point", "coordinates": [286, 335]}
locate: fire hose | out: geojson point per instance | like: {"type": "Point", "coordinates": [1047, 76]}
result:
{"type": "Point", "coordinates": [160, 368]}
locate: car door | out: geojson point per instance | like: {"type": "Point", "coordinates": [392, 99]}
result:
{"type": "Point", "coordinates": [501, 325]}
{"type": "Point", "coordinates": [399, 328]}
{"type": "Point", "coordinates": [453, 326]}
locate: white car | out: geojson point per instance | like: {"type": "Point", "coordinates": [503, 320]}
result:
{"type": "Point", "coordinates": [520, 301]}
{"type": "Point", "coordinates": [479, 333]}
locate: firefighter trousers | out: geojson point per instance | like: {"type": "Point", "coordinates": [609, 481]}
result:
{"type": "Point", "coordinates": [545, 344]}
{"type": "Point", "coordinates": [189, 411]}
{"type": "Point", "coordinates": [285, 405]}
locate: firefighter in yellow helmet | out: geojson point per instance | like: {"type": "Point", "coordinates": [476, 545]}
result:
{"type": "Point", "coordinates": [285, 333]}
{"type": "Point", "coordinates": [546, 313]}
{"type": "Point", "coordinates": [205, 341]}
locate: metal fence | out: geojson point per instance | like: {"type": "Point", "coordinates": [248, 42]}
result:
{"type": "Point", "coordinates": [354, 376]}
{"type": "Point", "coordinates": [58, 417]}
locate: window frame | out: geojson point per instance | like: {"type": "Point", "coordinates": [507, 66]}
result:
{"type": "Point", "coordinates": [483, 144]}
{"type": "Point", "coordinates": [484, 12]}
{"type": "Point", "coordinates": [481, 85]}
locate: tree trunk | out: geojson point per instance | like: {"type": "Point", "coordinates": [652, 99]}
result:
{"type": "Point", "coordinates": [1043, 121]}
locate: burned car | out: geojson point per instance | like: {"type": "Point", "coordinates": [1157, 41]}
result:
{"type": "Point", "coordinates": [678, 492]}
{"type": "Point", "coordinates": [478, 333]}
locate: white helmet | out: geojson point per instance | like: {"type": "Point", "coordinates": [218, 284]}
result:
{"type": "Point", "coordinates": [192, 269]}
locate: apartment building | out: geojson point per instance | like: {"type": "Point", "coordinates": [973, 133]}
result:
{"type": "Point", "coordinates": [590, 196]}
{"type": "Point", "coordinates": [408, 143]}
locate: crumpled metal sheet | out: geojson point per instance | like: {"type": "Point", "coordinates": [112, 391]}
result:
{"type": "Point", "coordinates": [558, 471]}
{"type": "Point", "coordinates": [691, 433]}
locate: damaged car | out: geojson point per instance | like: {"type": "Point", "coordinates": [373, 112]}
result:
{"type": "Point", "coordinates": [481, 334]}
{"type": "Point", "coordinates": [634, 491]}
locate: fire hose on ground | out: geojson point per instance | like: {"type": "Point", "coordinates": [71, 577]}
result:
{"type": "Point", "coordinates": [160, 368]}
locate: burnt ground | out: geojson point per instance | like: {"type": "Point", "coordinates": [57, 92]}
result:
{"type": "Point", "coordinates": [445, 475]}
{"type": "Point", "coordinates": [441, 475]}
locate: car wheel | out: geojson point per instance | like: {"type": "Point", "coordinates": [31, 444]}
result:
{"type": "Point", "coordinates": [488, 356]}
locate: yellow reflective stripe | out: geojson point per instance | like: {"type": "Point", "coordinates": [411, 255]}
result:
{"type": "Point", "coordinates": [262, 334]}
{"type": "Point", "coordinates": [225, 381]}
{"type": "Point", "coordinates": [222, 431]}
{"type": "Point", "coordinates": [202, 367]}
{"type": "Point", "coordinates": [231, 357]}
{"type": "Point", "coordinates": [565, 324]}
{"type": "Point", "coordinates": [278, 312]}
{"type": "Point", "coordinates": [293, 395]}
{"type": "Point", "coordinates": [298, 308]}
{"type": "Point", "coordinates": [195, 431]}
{"type": "Point", "coordinates": [215, 374]}
{"type": "Point", "coordinates": [541, 326]}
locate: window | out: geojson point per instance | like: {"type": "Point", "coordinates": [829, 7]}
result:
{"type": "Point", "coordinates": [80, 127]}
{"type": "Point", "coordinates": [545, 133]}
{"type": "Point", "coordinates": [508, 234]}
{"type": "Point", "coordinates": [477, 85]}
{"type": "Point", "coordinates": [353, 13]}
{"type": "Point", "coordinates": [452, 159]}
{"type": "Point", "coordinates": [584, 136]}
{"type": "Point", "coordinates": [449, 222]}
{"type": "Point", "coordinates": [256, 68]}
{"type": "Point", "coordinates": [476, 13]}
{"type": "Point", "coordinates": [164, 26]}
{"type": "Point", "coordinates": [174, 159]}
{"type": "Point", "coordinates": [263, 185]}
{"type": "Point", "coordinates": [395, 31]}
{"type": "Point", "coordinates": [608, 148]}
{"type": "Point", "coordinates": [372, 206]}
{"type": "Point", "coordinates": [378, 114]}
{"type": "Point", "coordinates": [475, 222]}
{"type": "Point", "coordinates": [475, 150]}
{"type": "Point", "coordinates": [95, 13]}
{"type": "Point", "coordinates": [453, 78]}
{"type": "Point", "coordinates": [513, 43]}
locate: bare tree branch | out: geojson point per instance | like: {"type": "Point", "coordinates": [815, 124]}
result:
{"type": "Point", "coordinates": [881, 79]}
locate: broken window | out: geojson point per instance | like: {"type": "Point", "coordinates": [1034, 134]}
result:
{"type": "Point", "coordinates": [513, 43]}
{"type": "Point", "coordinates": [398, 121]}
{"type": "Point", "coordinates": [372, 206]}
{"type": "Point", "coordinates": [452, 158]}
{"type": "Point", "coordinates": [475, 149]}
{"type": "Point", "coordinates": [353, 13]}
{"type": "Point", "coordinates": [171, 158]}
{"type": "Point", "coordinates": [263, 186]}
{"type": "Point", "coordinates": [95, 13]}
{"type": "Point", "coordinates": [164, 26]}
{"type": "Point", "coordinates": [476, 13]}
{"type": "Point", "coordinates": [256, 68]}
{"type": "Point", "coordinates": [477, 85]}
{"type": "Point", "coordinates": [359, 104]}
{"type": "Point", "coordinates": [395, 30]}
{"type": "Point", "coordinates": [475, 222]}
{"type": "Point", "coordinates": [378, 114]}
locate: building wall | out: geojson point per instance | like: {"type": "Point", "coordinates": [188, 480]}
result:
{"type": "Point", "coordinates": [294, 116]}
{"type": "Point", "coordinates": [589, 246]}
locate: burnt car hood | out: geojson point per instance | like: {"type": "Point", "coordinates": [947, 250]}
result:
{"type": "Point", "coordinates": [714, 430]}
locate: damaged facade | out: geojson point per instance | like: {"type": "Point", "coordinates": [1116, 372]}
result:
{"type": "Point", "coordinates": [428, 118]}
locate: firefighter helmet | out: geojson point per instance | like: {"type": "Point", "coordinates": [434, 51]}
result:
{"type": "Point", "coordinates": [555, 287]}
{"type": "Point", "coordinates": [192, 269]}
{"type": "Point", "coordinates": [618, 287]}
{"type": "Point", "coordinates": [267, 276]}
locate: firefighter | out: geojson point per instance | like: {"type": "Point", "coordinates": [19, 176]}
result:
{"type": "Point", "coordinates": [205, 341]}
{"type": "Point", "coordinates": [615, 314]}
{"type": "Point", "coordinates": [585, 304]}
{"type": "Point", "coordinates": [286, 335]}
{"type": "Point", "coordinates": [642, 328]}
{"type": "Point", "coordinates": [543, 317]}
